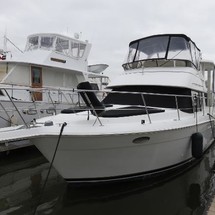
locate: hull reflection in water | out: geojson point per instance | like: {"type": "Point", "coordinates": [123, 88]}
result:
{"type": "Point", "coordinates": [22, 175]}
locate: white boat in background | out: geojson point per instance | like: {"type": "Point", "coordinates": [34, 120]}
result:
{"type": "Point", "coordinates": [40, 80]}
{"type": "Point", "coordinates": [158, 116]}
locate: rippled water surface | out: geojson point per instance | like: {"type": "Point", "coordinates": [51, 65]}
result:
{"type": "Point", "coordinates": [23, 172]}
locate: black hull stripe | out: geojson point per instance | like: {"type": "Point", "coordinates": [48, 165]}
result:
{"type": "Point", "coordinates": [130, 176]}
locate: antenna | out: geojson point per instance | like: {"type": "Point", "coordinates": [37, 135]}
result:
{"type": "Point", "coordinates": [7, 39]}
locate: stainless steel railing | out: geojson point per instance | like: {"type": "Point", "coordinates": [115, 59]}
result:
{"type": "Point", "coordinates": [67, 96]}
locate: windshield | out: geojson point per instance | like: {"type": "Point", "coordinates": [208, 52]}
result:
{"type": "Point", "coordinates": [168, 47]}
{"type": "Point", "coordinates": [179, 49]}
{"type": "Point", "coordinates": [61, 44]}
{"type": "Point", "coordinates": [47, 42]}
{"type": "Point", "coordinates": [33, 43]}
{"type": "Point", "coordinates": [152, 48]}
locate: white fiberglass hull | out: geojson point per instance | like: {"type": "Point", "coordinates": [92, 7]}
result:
{"type": "Point", "coordinates": [116, 156]}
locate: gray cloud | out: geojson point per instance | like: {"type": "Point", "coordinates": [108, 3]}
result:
{"type": "Point", "coordinates": [110, 25]}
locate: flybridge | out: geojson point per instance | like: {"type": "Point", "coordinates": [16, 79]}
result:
{"type": "Point", "coordinates": [163, 50]}
{"type": "Point", "coordinates": [59, 43]}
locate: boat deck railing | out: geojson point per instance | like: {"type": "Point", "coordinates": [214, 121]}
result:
{"type": "Point", "coordinates": [196, 107]}
{"type": "Point", "coordinates": [150, 63]}
{"type": "Point", "coordinates": [22, 100]}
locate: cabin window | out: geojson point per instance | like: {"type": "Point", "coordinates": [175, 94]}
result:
{"type": "Point", "coordinates": [193, 53]}
{"type": "Point", "coordinates": [46, 42]}
{"type": "Point", "coordinates": [196, 56]}
{"type": "Point", "coordinates": [132, 52]}
{"type": "Point", "coordinates": [178, 49]}
{"type": "Point", "coordinates": [75, 49]}
{"type": "Point", "coordinates": [62, 45]}
{"type": "Point", "coordinates": [152, 100]}
{"type": "Point", "coordinates": [33, 43]}
{"type": "Point", "coordinates": [155, 48]}
{"type": "Point", "coordinates": [82, 49]}
{"type": "Point", "coordinates": [152, 48]}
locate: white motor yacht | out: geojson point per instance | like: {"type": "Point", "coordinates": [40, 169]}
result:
{"type": "Point", "coordinates": [157, 116]}
{"type": "Point", "coordinates": [40, 81]}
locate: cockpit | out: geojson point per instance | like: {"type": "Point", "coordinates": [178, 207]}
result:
{"type": "Point", "coordinates": [163, 50]}
{"type": "Point", "coordinates": [62, 44]}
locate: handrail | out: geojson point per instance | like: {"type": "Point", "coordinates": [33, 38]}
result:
{"type": "Point", "coordinates": [137, 93]}
{"type": "Point", "coordinates": [176, 102]}
{"type": "Point", "coordinates": [63, 91]}
{"type": "Point", "coordinates": [49, 95]}
{"type": "Point", "coordinates": [24, 87]}
{"type": "Point", "coordinates": [93, 109]}
{"type": "Point", "coordinates": [66, 93]}
{"type": "Point", "coordinates": [5, 113]}
{"type": "Point", "coordinates": [144, 102]}
{"type": "Point", "coordinates": [175, 96]}
{"type": "Point", "coordinates": [43, 89]}
{"type": "Point", "coordinates": [16, 108]}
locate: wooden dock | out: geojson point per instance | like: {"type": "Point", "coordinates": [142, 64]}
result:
{"type": "Point", "coordinates": [14, 145]}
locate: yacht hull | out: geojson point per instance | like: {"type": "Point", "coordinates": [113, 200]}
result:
{"type": "Point", "coordinates": [94, 158]}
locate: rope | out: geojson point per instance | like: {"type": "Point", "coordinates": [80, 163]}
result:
{"type": "Point", "coordinates": [47, 176]}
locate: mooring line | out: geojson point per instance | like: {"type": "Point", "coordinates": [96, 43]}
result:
{"type": "Point", "coordinates": [47, 176]}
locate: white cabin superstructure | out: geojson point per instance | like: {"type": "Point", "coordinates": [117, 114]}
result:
{"type": "Point", "coordinates": [47, 71]}
{"type": "Point", "coordinates": [48, 51]}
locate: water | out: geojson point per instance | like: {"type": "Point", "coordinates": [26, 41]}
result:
{"type": "Point", "coordinates": [22, 175]}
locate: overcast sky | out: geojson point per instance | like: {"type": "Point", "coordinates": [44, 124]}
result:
{"type": "Point", "coordinates": [110, 24]}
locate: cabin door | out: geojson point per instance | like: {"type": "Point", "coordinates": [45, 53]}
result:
{"type": "Point", "coordinates": [36, 82]}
